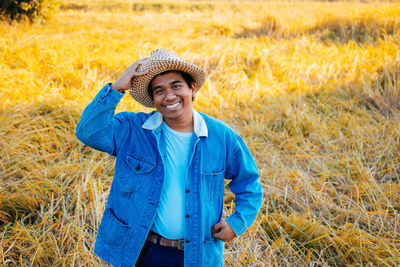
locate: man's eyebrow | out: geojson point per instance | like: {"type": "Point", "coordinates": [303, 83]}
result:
{"type": "Point", "coordinates": [157, 87]}
{"type": "Point", "coordinates": [175, 82]}
{"type": "Point", "coordinates": [171, 83]}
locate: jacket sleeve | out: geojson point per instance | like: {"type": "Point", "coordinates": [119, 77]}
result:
{"type": "Point", "coordinates": [246, 186]}
{"type": "Point", "coordinates": [98, 125]}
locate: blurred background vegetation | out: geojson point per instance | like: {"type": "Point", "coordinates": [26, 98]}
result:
{"type": "Point", "coordinates": [313, 87]}
{"type": "Point", "coordinates": [28, 9]}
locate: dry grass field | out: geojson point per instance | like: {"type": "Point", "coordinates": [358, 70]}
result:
{"type": "Point", "coordinates": [313, 87]}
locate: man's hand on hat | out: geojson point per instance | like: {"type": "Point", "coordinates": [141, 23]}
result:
{"type": "Point", "coordinates": [223, 231]}
{"type": "Point", "coordinates": [124, 81]}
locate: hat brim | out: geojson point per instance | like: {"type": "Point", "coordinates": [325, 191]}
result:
{"type": "Point", "coordinates": [140, 83]}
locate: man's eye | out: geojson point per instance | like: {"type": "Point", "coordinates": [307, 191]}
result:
{"type": "Point", "coordinates": [176, 86]}
{"type": "Point", "coordinates": [158, 91]}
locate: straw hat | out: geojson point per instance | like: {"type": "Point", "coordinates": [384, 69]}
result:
{"type": "Point", "coordinates": [159, 61]}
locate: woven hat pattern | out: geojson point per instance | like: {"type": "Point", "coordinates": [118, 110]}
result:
{"type": "Point", "coordinates": [159, 61]}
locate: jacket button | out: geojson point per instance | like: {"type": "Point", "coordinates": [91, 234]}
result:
{"type": "Point", "coordinates": [137, 167]}
{"type": "Point", "coordinates": [187, 241]}
{"type": "Point", "coordinates": [187, 216]}
{"type": "Point", "coordinates": [187, 191]}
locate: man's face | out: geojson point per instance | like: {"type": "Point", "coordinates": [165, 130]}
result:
{"type": "Point", "coordinates": [173, 97]}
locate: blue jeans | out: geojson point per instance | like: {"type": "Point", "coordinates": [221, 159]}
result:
{"type": "Point", "coordinates": [153, 255]}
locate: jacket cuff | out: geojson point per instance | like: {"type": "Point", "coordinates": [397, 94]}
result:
{"type": "Point", "coordinates": [237, 224]}
{"type": "Point", "coordinates": [112, 96]}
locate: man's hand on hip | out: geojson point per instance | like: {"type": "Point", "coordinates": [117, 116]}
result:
{"type": "Point", "coordinates": [223, 231]}
{"type": "Point", "coordinates": [124, 81]}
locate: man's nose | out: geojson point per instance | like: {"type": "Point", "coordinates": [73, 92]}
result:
{"type": "Point", "coordinates": [170, 95]}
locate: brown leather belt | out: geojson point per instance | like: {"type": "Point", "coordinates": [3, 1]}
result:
{"type": "Point", "coordinates": [159, 240]}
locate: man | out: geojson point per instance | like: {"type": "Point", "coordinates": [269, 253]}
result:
{"type": "Point", "coordinates": [166, 199]}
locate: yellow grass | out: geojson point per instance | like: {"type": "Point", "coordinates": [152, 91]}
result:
{"type": "Point", "coordinates": [312, 87]}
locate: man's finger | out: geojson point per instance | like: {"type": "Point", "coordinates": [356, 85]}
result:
{"type": "Point", "coordinates": [143, 59]}
{"type": "Point", "coordinates": [218, 235]}
{"type": "Point", "coordinates": [217, 227]}
{"type": "Point", "coordinates": [137, 63]}
{"type": "Point", "coordinates": [137, 73]}
{"type": "Point", "coordinates": [140, 62]}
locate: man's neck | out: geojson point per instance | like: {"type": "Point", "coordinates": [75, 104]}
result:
{"type": "Point", "coordinates": [185, 126]}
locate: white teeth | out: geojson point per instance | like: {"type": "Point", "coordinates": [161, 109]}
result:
{"type": "Point", "coordinates": [172, 106]}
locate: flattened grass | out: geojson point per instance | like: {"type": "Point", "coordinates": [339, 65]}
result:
{"type": "Point", "coordinates": [312, 87]}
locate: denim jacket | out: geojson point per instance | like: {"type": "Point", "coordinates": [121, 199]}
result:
{"type": "Point", "coordinates": [135, 139]}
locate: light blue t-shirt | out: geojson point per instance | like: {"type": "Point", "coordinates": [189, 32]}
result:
{"type": "Point", "coordinates": [170, 218]}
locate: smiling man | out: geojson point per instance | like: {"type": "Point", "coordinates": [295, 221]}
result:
{"type": "Point", "coordinates": [173, 98]}
{"type": "Point", "coordinates": [166, 199]}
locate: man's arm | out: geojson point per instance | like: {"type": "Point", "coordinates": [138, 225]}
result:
{"type": "Point", "coordinates": [98, 125]}
{"type": "Point", "coordinates": [246, 186]}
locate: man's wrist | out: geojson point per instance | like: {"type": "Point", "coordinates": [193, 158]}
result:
{"type": "Point", "coordinates": [116, 89]}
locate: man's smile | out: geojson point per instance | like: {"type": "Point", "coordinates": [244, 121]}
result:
{"type": "Point", "coordinates": [173, 106]}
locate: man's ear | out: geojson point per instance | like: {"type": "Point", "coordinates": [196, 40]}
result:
{"type": "Point", "coordinates": [193, 87]}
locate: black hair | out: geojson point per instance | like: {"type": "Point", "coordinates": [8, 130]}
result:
{"type": "Point", "coordinates": [186, 76]}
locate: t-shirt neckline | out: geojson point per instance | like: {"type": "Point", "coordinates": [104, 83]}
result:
{"type": "Point", "coordinates": [181, 134]}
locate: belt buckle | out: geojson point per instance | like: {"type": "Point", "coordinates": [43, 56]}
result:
{"type": "Point", "coordinates": [181, 245]}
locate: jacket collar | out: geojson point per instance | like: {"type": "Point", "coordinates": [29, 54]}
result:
{"type": "Point", "coordinates": [199, 125]}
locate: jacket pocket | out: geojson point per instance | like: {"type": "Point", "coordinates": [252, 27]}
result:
{"type": "Point", "coordinates": [138, 173]}
{"type": "Point", "coordinates": [138, 164]}
{"type": "Point", "coordinates": [113, 231]}
{"type": "Point", "coordinates": [213, 253]}
{"type": "Point", "coordinates": [212, 186]}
